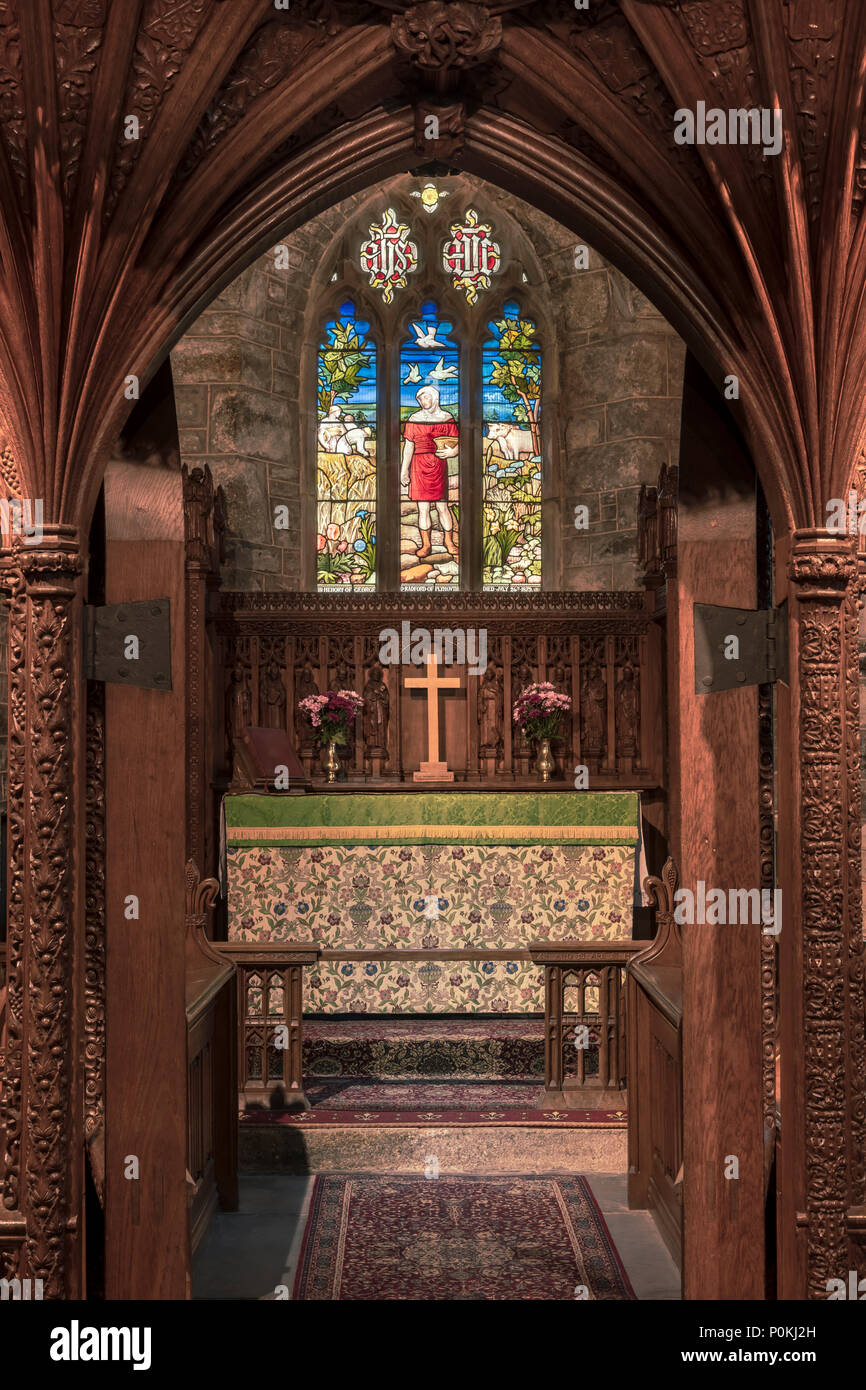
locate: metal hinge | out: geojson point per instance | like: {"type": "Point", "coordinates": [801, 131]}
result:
{"type": "Point", "coordinates": [739, 646]}
{"type": "Point", "coordinates": [129, 644]}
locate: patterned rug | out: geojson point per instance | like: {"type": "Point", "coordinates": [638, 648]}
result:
{"type": "Point", "coordinates": [452, 1239]}
{"type": "Point", "coordinates": [385, 1049]}
{"type": "Point", "coordinates": [349, 1101]}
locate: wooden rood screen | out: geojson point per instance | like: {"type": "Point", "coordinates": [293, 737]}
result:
{"type": "Point", "coordinates": [603, 650]}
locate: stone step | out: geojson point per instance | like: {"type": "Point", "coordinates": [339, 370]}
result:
{"type": "Point", "coordinates": [470, 1149]}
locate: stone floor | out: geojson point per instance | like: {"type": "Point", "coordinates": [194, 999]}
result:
{"type": "Point", "coordinates": [249, 1253]}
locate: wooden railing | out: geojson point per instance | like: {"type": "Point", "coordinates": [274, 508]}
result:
{"type": "Point", "coordinates": [588, 967]}
{"type": "Point", "coordinates": [270, 998]}
{"type": "Point", "coordinates": [211, 1075]}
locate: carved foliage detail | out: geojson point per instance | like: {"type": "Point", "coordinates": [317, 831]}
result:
{"type": "Point", "coordinates": [832, 994]}
{"type": "Point", "coordinates": [50, 901]}
{"type": "Point", "coordinates": [94, 921]}
{"type": "Point", "coordinates": [437, 35]}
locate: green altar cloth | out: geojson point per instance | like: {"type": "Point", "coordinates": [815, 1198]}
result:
{"type": "Point", "coordinates": [404, 818]}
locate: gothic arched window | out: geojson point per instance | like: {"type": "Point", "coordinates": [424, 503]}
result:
{"type": "Point", "coordinates": [428, 433]}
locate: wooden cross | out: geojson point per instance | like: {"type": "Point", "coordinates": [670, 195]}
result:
{"type": "Point", "coordinates": [433, 770]}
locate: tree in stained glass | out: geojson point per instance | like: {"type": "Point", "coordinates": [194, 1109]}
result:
{"type": "Point", "coordinates": [429, 460]}
{"type": "Point", "coordinates": [346, 452]}
{"type": "Point", "coordinates": [511, 491]}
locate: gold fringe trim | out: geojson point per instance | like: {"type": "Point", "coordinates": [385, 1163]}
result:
{"type": "Point", "coordinates": [452, 833]}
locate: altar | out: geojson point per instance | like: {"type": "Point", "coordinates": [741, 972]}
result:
{"type": "Point", "coordinates": [422, 903]}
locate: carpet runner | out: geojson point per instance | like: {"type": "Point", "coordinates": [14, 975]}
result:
{"type": "Point", "coordinates": [451, 1239]}
{"type": "Point", "coordinates": [359, 1102]}
{"type": "Point", "coordinates": [443, 1048]}
{"type": "Point", "coordinates": [395, 1049]}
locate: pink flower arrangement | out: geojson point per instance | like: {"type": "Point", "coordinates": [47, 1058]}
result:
{"type": "Point", "coordinates": [332, 713]}
{"type": "Point", "coordinates": [538, 710]}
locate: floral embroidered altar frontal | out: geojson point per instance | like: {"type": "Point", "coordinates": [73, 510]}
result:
{"type": "Point", "coordinates": [453, 871]}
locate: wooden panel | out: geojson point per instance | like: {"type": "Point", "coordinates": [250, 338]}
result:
{"type": "Point", "coordinates": [602, 649]}
{"type": "Point", "coordinates": [715, 837]}
{"type": "Point", "coordinates": [147, 1244]}
{"type": "Point", "coordinates": [665, 1127]}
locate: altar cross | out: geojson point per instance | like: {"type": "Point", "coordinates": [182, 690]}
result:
{"type": "Point", "coordinates": [433, 770]}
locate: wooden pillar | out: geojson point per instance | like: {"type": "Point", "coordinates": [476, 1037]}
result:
{"type": "Point", "coordinates": [146, 1221]}
{"type": "Point", "coordinates": [715, 838]}
{"type": "Point", "coordinates": [823, 1059]}
{"type": "Point", "coordinates": [41, 1228]}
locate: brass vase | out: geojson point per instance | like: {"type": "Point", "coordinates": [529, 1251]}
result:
{"type": "Point", "coordinates": [332, 763]}
{"type": "Point", "coordinates": [544, 762]}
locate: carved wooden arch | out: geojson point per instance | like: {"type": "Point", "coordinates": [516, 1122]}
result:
{"type": "Point", "coordinates": [560, 181]}
{"type": "Point", "coordinates": [120, 235]}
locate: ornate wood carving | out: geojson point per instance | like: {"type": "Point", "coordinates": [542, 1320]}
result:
{"type": "Point", "coordinates": [90, 300]}
{"type": "Point", "coordinates": [442, 38]}
{"type": "Point", "coordinates": [824, 570]}
{"type": "Point", "coordinates": [586, 642]}
{"type": "Point", "coordinates": [41, 1083]}
{"type": "Point", "coordinates": [94, 933]}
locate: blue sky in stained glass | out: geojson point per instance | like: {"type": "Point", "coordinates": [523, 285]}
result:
{"type": "Point", "coordinates": [496, 407]}
{"type": "Point", "coordinates": [363, 398]}
{"type": "Point", "coordinates": [426, 360]}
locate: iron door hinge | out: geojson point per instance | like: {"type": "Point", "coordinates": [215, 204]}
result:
{"type": "Point", "coordinates": [739, 646]}
{"type": "Point", "coordinates": [129, 644]}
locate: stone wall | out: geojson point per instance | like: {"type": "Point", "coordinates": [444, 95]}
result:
{"type": "Point", "coordinates": [621, 374]}
{"type": "Point", "coordinates": [616, 367]}
{"type": "Point", "coordinates": [236, 377]}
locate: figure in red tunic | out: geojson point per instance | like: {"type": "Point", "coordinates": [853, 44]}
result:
{"type": "Point", "coordinates": [429, 440]}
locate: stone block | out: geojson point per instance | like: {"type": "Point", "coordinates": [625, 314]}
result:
{"type": "Point", "coordinates": [626, 508]}
{"type": "Point", "coordinates": [289, 536]}
{"type": "Point", "coordinates": [586, 303]}
{"type": "Point", "coordinates": [619, 545]}
{"type": "Point", "coordinates": [276, 289]}
{"type": "Point", "coordinates": [230, 324]}
{"type": "Point", "coordinates": [284, 481]}
{"type": "Point", "coordinates": [221, 360]}
{"type": "Point", "coordinates": [585, 427]}
{"type": "Point", "coordinates": [245, 484]}
{"type": "Point", "coordinates": [657, 416]}
{"type": "Point", "coordinates": [254, 291]}
{"type": "Point", "coordinates": [624, 575]}
{"type": "Point", "coordinates": [594, 576]}
{"type": "Point", "coordinates": [676, 365]}
{"type": "Point", "coordinates": [266, 559]}
{"type": "Point", "coordinates": [590, 500]}
{"type": "Point", "coordinates": [192, 443]}
{"type": "Point", "coordinates": [245, 421]}
{"type": "Point", "coordinates": [285, 384]}
{"type": "Point", "coordinates": [190, 401]}
{"type": "Point", "coordinates": [625, 464]}
{"type": "Point", "coordinates": [609, 371]}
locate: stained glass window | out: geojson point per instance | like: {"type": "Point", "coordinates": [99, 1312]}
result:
{"type": "Point", "coordinates": [511, 490]}
{"type": "Point", "coordinates": [471, 256]}
{"type": "Point", "coordinates": [346, 451]}
{"type": "Point", "coordinates": [388, 255]}
{"type": "Point", "coordinates": [429, 454]}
